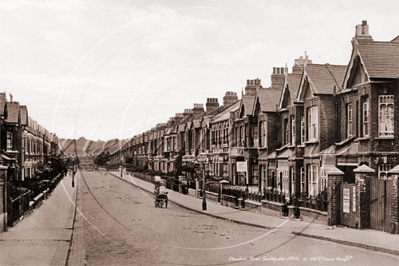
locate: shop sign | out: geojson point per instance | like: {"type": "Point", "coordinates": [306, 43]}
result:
{"type": "Point", "coordinates": [346, 200]}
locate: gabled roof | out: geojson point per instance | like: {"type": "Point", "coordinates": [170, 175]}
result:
{"type": "Point", "coordinates": [381, 59]}
{"type": "Point", "coordinates": [268, 99]}
{"type": "Point", "coordinates": [24, 115]}
{"type": "Point", "coordinates": [13, 112]}
{"type": "Point", "coordinates": [290, 89]}
{"type": "Point", "coordinates": [248, 101]}
{"type": "Point", "coordinates": [322, 78]}
{"type": "Point", "coordinates": [225, 114]}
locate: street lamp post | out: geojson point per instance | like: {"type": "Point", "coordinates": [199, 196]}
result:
{"type": "Point", "coordinates": [203, 188]}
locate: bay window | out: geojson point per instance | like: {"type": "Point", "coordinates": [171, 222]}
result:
{"type": "Point", "coordinates": [385, 115]}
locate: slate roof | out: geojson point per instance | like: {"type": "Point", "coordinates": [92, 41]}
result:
{"type": "Point", "coordinates": [325, 77]}
{"type": "Point", "coordinates": [268, 99]}
{"type": "Point", "coordinates": [13, 111]}
{"type": "Point", "coordinates": [24, 114]}
{"type": "Point", "coordinates": [225, 114]}
{"type": "Point", "coordinates": [248, 102]}
{"type": "Point", "coordinates": [293, 81]}
{"type": "Point", "coordinates": [381, 59]}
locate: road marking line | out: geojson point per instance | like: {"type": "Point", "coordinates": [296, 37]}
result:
{"type": "Point", "coordinates": [134, 183]}
{"type": "Point", "coordinates": [84, 217]}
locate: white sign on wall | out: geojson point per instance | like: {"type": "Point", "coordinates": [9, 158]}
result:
{"type": "Point", "coordinates": [346, 200]}
{"type": "Point", "coordinates": [242, 166]}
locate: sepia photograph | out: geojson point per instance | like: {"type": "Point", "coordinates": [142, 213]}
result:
{"type": "Point", "coordinates": [199, 133]}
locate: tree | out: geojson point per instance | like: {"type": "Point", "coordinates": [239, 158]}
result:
{"type": "Point", "coordinates": [102, 159]}
{"type": "Point", "coordinates": [179, 163]}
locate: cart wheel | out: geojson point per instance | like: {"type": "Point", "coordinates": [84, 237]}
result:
{"type": "Point", "coordinates": [161, 203]}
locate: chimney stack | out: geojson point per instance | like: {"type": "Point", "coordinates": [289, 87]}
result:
{"type": "Point", "coordinates": [198, 108]}
{"type": "Point", "coordinates": [362, 32]}
{"type": "Point", "coordinates": [230, 98]}
{"type": "Point", "coordinates": [252, 86]}
{"type": "Point", "coordinates": [300, 64]}
{"type": "Point", "coordinates": [278, 77]}
{"type": "Point", "coordinates": [211, 104]}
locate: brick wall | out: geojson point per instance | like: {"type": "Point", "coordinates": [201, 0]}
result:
{"type": "Point", "coordinates": [328, 121]}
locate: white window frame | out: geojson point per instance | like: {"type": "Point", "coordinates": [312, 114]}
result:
{"type": "Point", "coordinates": [292, 181]}
{"type": "Point", "coordinates": [303, 129]}
{"type": "Point", "coordinates": [293, 130]}
{"type": "Point", "coordinates": [366, 118]}
{"type": "Point", "coordinates": [386, 130]}
{"type": "Point", "coordinates": [313, 179]}
{"type": "Point", "coordinates": [349, 119]}
{"type": "Point", "coordinates": [303, 181]}
{"type": "Point", "coordinates": [313, 120]}
{"type": "Point", "coordinates": [9, 141]}
{"type": "Point", "coordinates": [383, 170]}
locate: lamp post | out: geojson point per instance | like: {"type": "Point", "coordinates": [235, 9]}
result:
{"type": "Point", "coordinates": [203, 188]}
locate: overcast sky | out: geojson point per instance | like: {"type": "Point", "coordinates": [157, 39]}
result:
{"type": "Point", "coordinates": [107, 69]}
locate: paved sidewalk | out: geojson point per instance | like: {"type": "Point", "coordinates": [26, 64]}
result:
{"type": "Point", "coordinates": [42, 238]}
{"type": "Point", "coordinates": [368, 239]}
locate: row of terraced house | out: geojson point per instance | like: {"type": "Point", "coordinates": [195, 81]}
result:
{"type": "Point", "coordinates": [314, 119]}
{"type": "Point", "coordinates": [23, 143]}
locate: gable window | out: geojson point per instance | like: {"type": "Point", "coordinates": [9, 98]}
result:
{"type": "Point", "coordinates": [312, 123]}
{"type": "Point", "coordinates": [9, 141]}
{"type": "Point", "coordinates": [349, 119]}
{"type": "Point", "coordinates": [385, 115]}
{"type": "Point", "coordinates": [365, 118]}
{"type": "Point", "coordinates": [293, 130]}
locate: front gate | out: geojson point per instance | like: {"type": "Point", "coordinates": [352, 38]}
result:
{"type": "Point", "coordinates": [380, 204]}
{"type": "Point", "coordinates": [348, 204]}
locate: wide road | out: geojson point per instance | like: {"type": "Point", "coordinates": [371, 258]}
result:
{"type": "Point", "coordinates": [117, 224]}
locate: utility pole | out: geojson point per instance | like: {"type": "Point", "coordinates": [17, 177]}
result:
{"type": "Point", "coordinates": [73, 164]}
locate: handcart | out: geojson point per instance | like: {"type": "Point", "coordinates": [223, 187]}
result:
{"type": "Point", "coordinates": [161, 196]}
{"type": "Point", "coordinates": [161, 200]}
